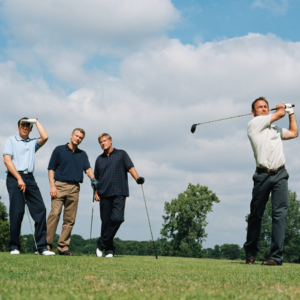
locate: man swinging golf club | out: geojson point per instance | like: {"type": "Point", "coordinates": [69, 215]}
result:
{"type": "Point", "coordinates": [111, 169]}
{"type": "Point", "coordinates": [270, 176]}
{"type": "Point", "coordinates": [19, 158]}
{"type": "Point", "coordinates": [65, 171]}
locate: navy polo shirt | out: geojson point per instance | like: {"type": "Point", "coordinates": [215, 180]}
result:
{"type": "Point", "coordinates": [111, 173]}
{"type": "Point", "coordinates": [68, 166]}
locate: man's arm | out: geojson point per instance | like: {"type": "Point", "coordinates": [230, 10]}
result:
{"type": "Point", "coordinates": [89, 172]}
{"type": "Point", "coordinates": [53, 189]}
{"type": "Point", "coordinates": [12, 169]}
{"type": "Point", "coordinates": [292, 132]}
{"type": "Point", "coordinates": [279, 113]}
{"type": "Point", "coordinates": [134, 173]}
{"type": "Point", "coordinates": [42, 131]}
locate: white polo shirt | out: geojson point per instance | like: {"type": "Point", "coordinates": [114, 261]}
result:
{"type": "Point", "coordinates": [266, 141]}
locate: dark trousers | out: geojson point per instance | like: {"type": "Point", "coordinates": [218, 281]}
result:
{"type": "Point", "coordinates": [263, 185]}
{"type": "Point", "coordinates": [36, 208]}
{"type": "Point", "coordinates": [112, 216]}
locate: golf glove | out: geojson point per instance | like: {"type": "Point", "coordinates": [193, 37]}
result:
{"type": "Point", "coordinates": [289, 109]}
{"type": "Point", "coordinates": [30, 121]}
{"type": "Point", "coordinates": [94, 184]}
{"type": "Point", "coordinates": [140, 180]}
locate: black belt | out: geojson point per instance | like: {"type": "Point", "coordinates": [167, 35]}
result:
{"type": "Point", "coordinates": [270, 171]}
{"type": "Point", "coordinates": [25, 172]}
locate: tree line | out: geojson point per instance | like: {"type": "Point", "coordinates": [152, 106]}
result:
{"type": "Point", "coordinates": [183, 231]}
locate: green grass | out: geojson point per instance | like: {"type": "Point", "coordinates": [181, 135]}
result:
{"type": "Point", "coordinates": [28, 276]}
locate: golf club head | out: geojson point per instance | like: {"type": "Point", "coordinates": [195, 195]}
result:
{"type": "Point", "coordinates": [193, 129]}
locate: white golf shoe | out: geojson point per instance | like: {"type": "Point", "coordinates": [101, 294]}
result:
{"type": "Point", "coordinates": [99, 253]}
{"type": "Point", "coordinates": [109, 255]}
{"type": "Point", "coordinates": [14, 252]}
{"type": "Point", "coordinates": [46, 252]}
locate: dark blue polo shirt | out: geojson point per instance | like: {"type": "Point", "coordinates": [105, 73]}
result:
{"type": "Point", "coordinates": [68, 166]}
{"type": "Point", "coordinates": [111, 173]}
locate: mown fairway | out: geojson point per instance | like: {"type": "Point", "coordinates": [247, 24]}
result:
{"type": "Point", "coordinates": [138, 277]}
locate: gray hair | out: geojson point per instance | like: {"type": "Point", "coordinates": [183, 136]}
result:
{"type": "Point", "coordinates": [80, 130]}
{"type": "Point", "coordinates": [102, 135]}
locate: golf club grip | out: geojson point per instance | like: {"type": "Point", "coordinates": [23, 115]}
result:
{"type": "Point", "coordinates": [293, 105]}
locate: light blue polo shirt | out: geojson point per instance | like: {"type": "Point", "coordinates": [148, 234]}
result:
{"type": "Point", "coordinates": [22, 152]}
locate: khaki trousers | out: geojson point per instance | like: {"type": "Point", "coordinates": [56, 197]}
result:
{"type": "Point", "coordinates": [68, 194]}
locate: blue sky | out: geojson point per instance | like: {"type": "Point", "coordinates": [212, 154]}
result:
{"type": "Point", "coordinates": [145, 71]}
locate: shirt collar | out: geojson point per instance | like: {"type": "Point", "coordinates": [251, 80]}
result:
{"type": "Point", "coordinates": [113, 152]}
{"type": "Point", "coordinates": [68, 148]}
{"type": "Point", "coordinates": [18, 138]}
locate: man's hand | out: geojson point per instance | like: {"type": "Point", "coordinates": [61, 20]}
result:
{"type": "Point", "coordinates": [281, 105]}
{"type": "Point", "coordinates": [94, 184]}
{"type": "Point", "coordinates": [53, 192]}
{"type": "Point", "coordinates": [289, 109]}
{"type": "Point", "coordinates": [21, 185]}
{"type": "Point", "coordinates": [140, 180]}
{"type": "Point", "coordinates": [97, 198]}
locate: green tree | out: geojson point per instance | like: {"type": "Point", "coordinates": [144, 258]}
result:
{"type": "Point", "coordinates": [185, 221]}
{"type": "Point", "coordinates": [217, 253]}
{"type": "Point", "coordinates": [4, 227]}
{"type": "Point", "coordinates": [230, 251]}
{"type": "Point", "coordinates": [291, 249]}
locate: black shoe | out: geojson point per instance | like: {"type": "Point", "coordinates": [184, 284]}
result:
{"type": "Point", "coordinates": [65, 253]}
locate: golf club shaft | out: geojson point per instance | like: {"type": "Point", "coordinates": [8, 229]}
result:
{"type": "Point", "coordinates": [91, 222]}
{"type": "Point", "coordinates": [230, 118]}
{"type": "Point", "coordinates": [149, 222]}
{"type": "Point", "coordinates": [193, 129]}
{"type": "Point", "coordinates": [30, 222]}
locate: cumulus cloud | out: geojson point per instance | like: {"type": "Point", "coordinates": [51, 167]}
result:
{"type": "Point", "coordinates": [90, 22]}
{"type": "Point", "coordinates": [149, 109]}
{"type": "Point", "coordinates": [276, 6]}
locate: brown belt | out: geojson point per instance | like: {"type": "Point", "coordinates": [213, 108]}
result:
{"type": "Point", "coordinates": [270, 171]}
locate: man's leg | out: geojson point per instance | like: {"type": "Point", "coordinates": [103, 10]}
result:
{"type": "Point", "coordinates": [279, 212]}
{"type": "Point", "coordinates": [54, 215]}
{"type": "Point", "coordinates": [116, 219]}
{"type": "Point", "coordinates": [70, 211]}
{"type": "Point", "coordinates": [105, 214]}
{"type": "Point", "coordinates": [37, 211]}
{"type": "Point", "coordinates": [16, 211]}
{"type": "Point", "coordinates": [260, 196]}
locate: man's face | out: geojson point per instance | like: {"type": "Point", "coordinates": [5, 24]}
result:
{"type": "Point", "coordinates": [105, 143]}
{"type": "Point", "coordinates": [24, 129]}
{"type": "Point", "coordinates": [261, 108]}
{"type": "Point", "coordinates": [77, 137]}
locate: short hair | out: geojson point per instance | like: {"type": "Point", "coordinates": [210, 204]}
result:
{"type": "Point", "coordinates": [258, 99]}
{"type": "Point", "coordinates": [19, 122]}
{"type": "Point", "coordinates": [102, 135]}
{"type": "Point", "coordinates": [80, 130]}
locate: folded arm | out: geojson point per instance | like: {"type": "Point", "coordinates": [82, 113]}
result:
{"type": "Point", "coordinates": [292, 132]}
{"type": "Point", "coordinates": [42, 131]}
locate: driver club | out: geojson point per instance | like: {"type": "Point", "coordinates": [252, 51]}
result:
{"type": "Point", "coordinates": [193, 129]}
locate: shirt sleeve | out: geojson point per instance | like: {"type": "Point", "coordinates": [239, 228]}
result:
{"type": "Point", "coordinates": [127, 162]}
{"type": "Point", "coordinates": [53, 160]}
{"type": "Point", "coordinates": [86, 163]}
{"type": "Point", "coordinates": [8, 148]}
{"type": "Point", "coordinates": [258, 124]}
{"type": "Point", "coordinates": [96, 170]}
{"type": "Point", "coordinates": [282, 132]}
{"type": "Point", "coordinates": [37, 147]}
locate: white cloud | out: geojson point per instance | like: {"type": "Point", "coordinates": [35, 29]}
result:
{"type": "Point", "coordinates": [149, 109]}
{"type": "Point", "coordinates": [276, 6]}
{"type": "Point", "coordinates": [92, 22]}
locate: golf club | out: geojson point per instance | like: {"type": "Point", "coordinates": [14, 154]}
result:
{"type": "Point", "coordinates": [91, 224]}
{"type": "Point", "coordinates": [149, 221]}
{"type": "Point", "coordinates": [193, 129]}
{"type": "Point", "coordinates": [30, 222]}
